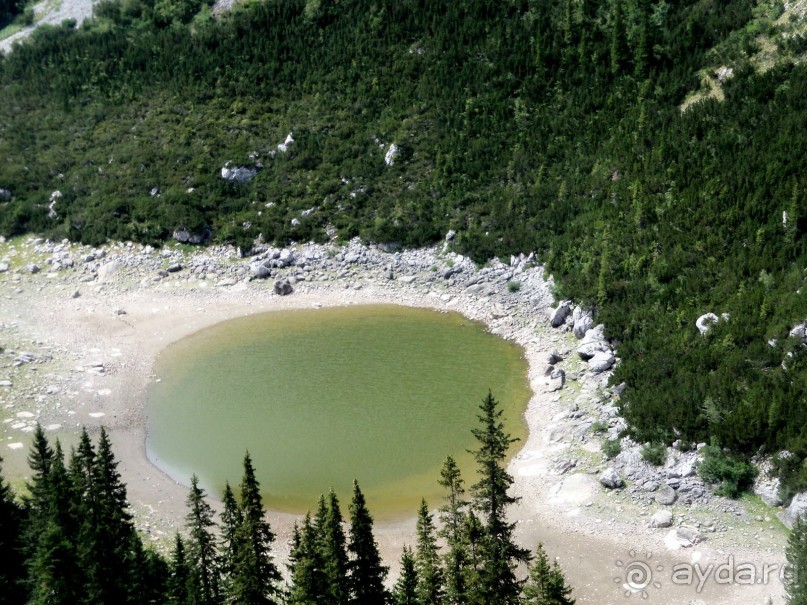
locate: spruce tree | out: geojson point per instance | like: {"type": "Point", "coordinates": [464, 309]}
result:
{"type": "Point", "coordinates": [53, 576]}
{"type": "Point", "coordinates": [177, 591]}
{"type": "Point", "coordinates": [796, 553]}
{"type": "Point", "coordinates": [405, 591]}
{"type": "Point", "coordinates": [498, 552]}
{"type": "Point", "coordinates": [427, 560]}
{"type": "Point", "coordinates": [12, 570]}
{"type": "Point", "coordinates": [308, 581]}
{"type": "Point", "coordinates": [366, 573]}
{"type": "Point", "coordinates": [255, 577]}
{"type": "Point", "coordinates": [201, 554]}
{"type": "Point", "coordinates": [231, 519]}
{"type": "Point", "coordinates": [334, 554]}
{"type": "Point", "coordinates": [452, 516]}
{"type": "Point", "coordinates": [546, 584]}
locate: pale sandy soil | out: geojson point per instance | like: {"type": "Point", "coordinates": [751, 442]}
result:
{"type": "Point", "coordinates": [593, 533]}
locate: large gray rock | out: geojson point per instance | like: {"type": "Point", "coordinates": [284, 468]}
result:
{"type": "Point", "coordinates": [239, 174]}
{"type": "Point", "coordinates": [283, 287]}
{"type": "Point", "coordinates": [262, 272]}
{"type": "Point", "coordinates": [582, 325]}
{"type": "Point", "coordinates": [557, 378]}
{"type": "Point", "coordinates": [705, 321]}
{"type": "Point", "coordinates": [108, 270]}
{"type": "Point", "coordinates": [559, 314]}
{"type": "Point", "coordinates": [796, 509]}
{"type": "Point", "coordinates": [593, 342]}
{"type": "Point", "coordinates": [666, 495]}
{"type": "Point", "coordinates": [800, 332]}
{"type": "Point", "coordinates": [611, 479]}
{"type": "Point", "coordinates": [602, 361]}
{"type": "Point", "coordinates": [662, 518]}
{"type": "Point", "coordinates": [689, 534]}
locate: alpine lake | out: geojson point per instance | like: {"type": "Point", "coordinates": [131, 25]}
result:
{"type": "Point", "coordinates": [320, 397]}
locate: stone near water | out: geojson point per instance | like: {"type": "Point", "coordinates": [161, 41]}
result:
{"type": "Point", "coordinates": [283, 287]}
{"type": "Point", "coordinates": [661, 519]}
{"type": "Point", "coordinates": [611, 479]}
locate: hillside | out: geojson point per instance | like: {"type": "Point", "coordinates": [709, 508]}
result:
{"type": "Point", "coordinates": [551, 127]}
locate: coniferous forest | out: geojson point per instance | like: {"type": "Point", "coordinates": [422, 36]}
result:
{"type": "Point", "coordinates": [72, 540]}
{"type": "Point", "coordinates": [552, 127]}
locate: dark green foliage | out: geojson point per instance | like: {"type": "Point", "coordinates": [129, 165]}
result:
{"type": "Point", "coordinates": [546, 585]}
{"type": "Point", "coordinates": [231, 519]}
{"type": "Point", "coordinates": [254, 575]}
{"type": "Point", "coordinates": [654, 453]}
{"type": "Point", "coordinates": [796, 578]}
{"type": "Point", "coordinates": [405, 591]}
{"type": "Point", "coordinates": [498, 552]}
{"type": "Point", "coordinates": [333, 547]}
{"type": "Point", "coordinates": [611, 447]}
{"type": "Point", "coordinates": [308, 581]}
{"type": "Point", "coordinates": [427, 560]}
{"type": "Point", "coordinates": [12, 572]}
{"type": "Point", "coordinates": [453, 516]}
{"type": "Point", "coordinates": [204, 583]}
{"type": "Point", "coordinates": [10, 9]}
{"type": "Point", "coordinates": [734, 475]}
{"type": "Point", "coordinates": [366, 573]}
{"type": "Point", "coordinates": [179, 582]}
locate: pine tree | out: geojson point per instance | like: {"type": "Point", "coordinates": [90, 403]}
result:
{"type": "Point", "coordinates": [180, 575]}
{"type": "Point", "coordinates": [231, 520]}
{"type": "Point", "coordinates": [309, 584]}
{"type": "Point", "coordinates": [53, 576]}
{"type": "Point", "coordinates": [796, 552]}
{"type": "Point", "coordinates": [202, 558]}
{"type": "Point", "coordinates": [366, 574]}
{"type": "Point", "coordinates": [499, 553]}
{"type": "Point", "coordinates": [405, 591]}
{"type": "Point", "coordinates": [427, 560]}
{"type": "Point", "coordinates": [334, 553]}
{"type": "Point", "coordinates": [546, 585]}
{"type": "Point", "coordinates": [452, 516]}
{"type": "Point", "coordinates": [618, 43]}
{"type": "Point", "coordinates": [12, 570]}
{"type": "Point", "coordinates": [107, 535]}
{"type": "Point", "coordinates": [255, 577]}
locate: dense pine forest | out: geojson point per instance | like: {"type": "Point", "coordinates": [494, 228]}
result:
{"type": "Point", "coordinates": [72, 540]}
{"type": "Point", "coordinates": [523, 125]}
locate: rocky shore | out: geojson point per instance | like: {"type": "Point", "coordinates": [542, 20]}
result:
{"type": "Point", "coordinates": [81, 327]}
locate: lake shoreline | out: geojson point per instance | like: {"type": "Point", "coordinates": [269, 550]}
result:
{"type": "Point", "coordinates": [97, 326]}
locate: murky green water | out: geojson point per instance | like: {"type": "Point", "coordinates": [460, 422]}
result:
{"type": "Point", "coordinates": [319, 397]}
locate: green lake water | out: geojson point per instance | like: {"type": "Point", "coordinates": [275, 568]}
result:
{"type": "Point", "coordinates": [322, 396]}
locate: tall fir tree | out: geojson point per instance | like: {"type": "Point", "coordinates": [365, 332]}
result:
{"type": "Point", "coordinates": [178, 582]}
{"type": "Point", "coordinates": [796, 553]}
{"type": "Point", "coordinates": [452, 516]}
{"type": "Point", "coordinates": [427, 560]}
{"type": "Point", "coordinates": [499, 553]}
{"type": "Point", "coordinates": [366, 573]}
{"type": "Point", "coordinates": [405, 591]}
{"type": "Point", "coordinates": [308, 582]}
{"type": "Point", "coordinates": [546, 584]}
{"type": "Point", "coordinates": [255, 576]}
{"type": "Point", "coordinates": [201, 554]}
{"type": "Point", "coordinates": [334, 552]}
{"type": "Point", "coordinates": [12, 571]}
{"type": "Point", "coordinates": [231, 519]}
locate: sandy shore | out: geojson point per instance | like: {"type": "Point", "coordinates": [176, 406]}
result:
{"type": "Point", "coordinates": [94, 342]}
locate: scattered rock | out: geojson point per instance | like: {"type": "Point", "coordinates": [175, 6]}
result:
{"type": "Point", "coordinates": [107, 270]}
{"type": "Point", "coordinates": [611, 479]}
{"type": "Point", "coordinates": [593, 342]}
{"type": "Point", "coordinates": [582, 325]}
{"type": "Point", "coordinates": [34, 268]}
{"type": "Point", "coordinates": [174, 268]}
{"type": "Point", "coordinates": [239, 174]}
{"type": "Point", "coordinates": [553, 358]}
{"type": "Point", "coordinates": [559, 314]}
{"type": "Point", "coordinates": [661, 519]}
{"type": "Point", "coordinates": [666, 495]}
{"type": "Point", "coordinates": [283, 287]}
{"type": "Point", "coordinates": [557, 379]}
{"type": "Point", "coordinates": [3, 267]}
{"type": "Point", "coordinates": [800, 332]}
{"type": "Point", "coordinates": [685, 533]}
{"type": "Point", "coordinates": [797, 507]}
{"type": "Point", "coordinates": [705, 321]}
{"type": "Point", "coordinates": [75, 294]}
{"type": "Point", "coordinates": [389, 157]}
{"type": "Point", "coordinates": [261, 272]}
{"type": "Point", "coordinates": [601, 361]}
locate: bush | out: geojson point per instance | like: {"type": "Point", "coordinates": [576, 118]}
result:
{"type": "Point", "coordinates": [654, 453]}
{"type": "Point", "coordinates": [611, 448]}
{"type": "Point", "coordinates": [513, 286]}
{"type": "Point", "coordinates": [732, 473]}
{"type": "Point", "coordinates": [599, 427]}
